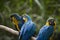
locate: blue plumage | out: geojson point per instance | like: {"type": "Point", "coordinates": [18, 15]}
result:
{"type": "Point", "coordinates": [27, 29]}
{"type": "Point", "coordinates": [45, 32]}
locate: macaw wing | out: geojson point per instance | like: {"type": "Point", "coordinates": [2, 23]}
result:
{"type": "Point", "coordinates": [50, 32]}
{"type": "Point", "coordinates": [28, 30]}
{"type": "Point", "coordinates": [47, 32]}
{"type": "Point", "coordinates": [21, 33]}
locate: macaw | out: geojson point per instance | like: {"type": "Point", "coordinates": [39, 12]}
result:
{"type": "Point", "coordinates": [17, 21]}
{"type": "Point", "coordinates": [47, 30]}
{"type": "Point", "coordinates": [28, 28]}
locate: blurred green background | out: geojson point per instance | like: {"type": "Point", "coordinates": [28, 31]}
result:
{"type": "Point", "coordinates": [39, 10]}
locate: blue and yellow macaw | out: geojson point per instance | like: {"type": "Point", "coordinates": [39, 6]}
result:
{"type": "Point", "coordinates": [47, 30]}
{"type": "Point", "coordinates": [28, 28]}
{"type": "Point", "coordinates": [17, 21]}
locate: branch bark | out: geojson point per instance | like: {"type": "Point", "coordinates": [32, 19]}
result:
{"type": "Point", "coordinates": [12, 31]}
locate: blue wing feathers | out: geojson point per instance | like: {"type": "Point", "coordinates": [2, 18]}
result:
{"type": "Point", "coordinates": [45, 32]}
{"type": "Point", "coordinates": [27, 30]}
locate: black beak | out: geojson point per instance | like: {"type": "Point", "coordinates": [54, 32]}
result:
{"type": "Point", "coordinates": [51, 22]}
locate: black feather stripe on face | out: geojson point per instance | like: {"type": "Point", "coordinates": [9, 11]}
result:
{"type": "Point", "coordinates": [51, 22]}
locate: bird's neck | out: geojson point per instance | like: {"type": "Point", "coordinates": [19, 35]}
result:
{"type": "Point", "coordinates": [28, 20]}
{"type": "Point", "coordinates": [47, 23]}
{"type": "Point", "coordinates": [17, 28]}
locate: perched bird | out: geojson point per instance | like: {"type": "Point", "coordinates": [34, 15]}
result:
{"type": "Point", "coordinates": [17, 21]}
{"type": "Point", "coordinates": [28, 28]}
{"type": "Point", "coordinates": [47, 30]}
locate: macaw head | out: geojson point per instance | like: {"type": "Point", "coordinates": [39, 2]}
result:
{"type": "Point", "coordinates": [51, 21]}
{"type": "Point", "coordinates": [17, 20]}
{"type": "Point", "coordinates": [26, 18]}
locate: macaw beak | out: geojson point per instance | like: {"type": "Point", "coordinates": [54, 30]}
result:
{"type": "Point", "coordinates": [52, 22]}
{"type": "Point", "coordinates": [25, 19]}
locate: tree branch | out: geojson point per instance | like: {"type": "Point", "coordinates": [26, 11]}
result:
{"type": "Point", "coordinates": [9, 30]}
{"type": "Point", "coordinates": [12, 31]}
